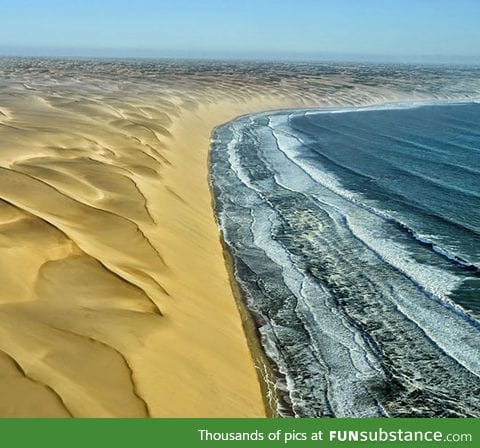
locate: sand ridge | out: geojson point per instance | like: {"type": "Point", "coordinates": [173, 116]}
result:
{"type": "Point", "coordinates": [115, 299]}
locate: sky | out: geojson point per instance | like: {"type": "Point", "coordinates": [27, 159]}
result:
{"type": "Point", "coordinates": [399, 30]}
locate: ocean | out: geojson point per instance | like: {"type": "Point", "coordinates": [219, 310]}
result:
{"type": "Point", "coordinates": [355, 235]}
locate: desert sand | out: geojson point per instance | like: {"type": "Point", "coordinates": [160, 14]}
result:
{"type": "Point", "coordinates": [115, 298]}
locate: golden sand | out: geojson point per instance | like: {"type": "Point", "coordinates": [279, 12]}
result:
{"type": "Point", "coordinates": [115, 298]}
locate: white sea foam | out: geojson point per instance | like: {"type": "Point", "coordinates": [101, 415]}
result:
{"type": "Point", "coordinates": [436, 282]}
{"type": "Point", "coordinates": [335, 340]}
{"type": "Point", "coordinates": [414, 104]}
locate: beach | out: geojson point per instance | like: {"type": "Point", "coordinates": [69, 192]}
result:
{"type": "Point", "coordinates": [116, 299]}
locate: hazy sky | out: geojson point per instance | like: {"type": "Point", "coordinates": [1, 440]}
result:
{"type": "Point", "coordinates": [394, 29]}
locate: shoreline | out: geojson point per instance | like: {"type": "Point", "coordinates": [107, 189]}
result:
{"type": "Point", "coordinates": [263, 365]}
{"type": "Point", "coordinates": [219, 308]}
{"type": "Point", "coordinates": [265, 373]}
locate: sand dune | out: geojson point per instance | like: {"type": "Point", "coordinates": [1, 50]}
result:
{"type": "Point", "coordinates": [115, 299]}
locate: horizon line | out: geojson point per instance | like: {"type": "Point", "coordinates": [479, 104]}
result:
{"type": "Point", "coordinates": [215, 55]}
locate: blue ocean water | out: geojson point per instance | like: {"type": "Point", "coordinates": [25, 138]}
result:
{"type": "Point", "coordinates": [355, 236]}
